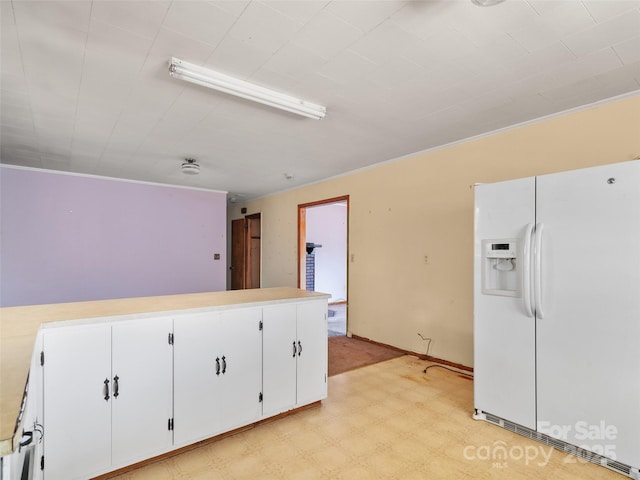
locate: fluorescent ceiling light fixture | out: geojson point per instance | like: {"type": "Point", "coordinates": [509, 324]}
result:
{"type": "Point", "coordinates": [486, 3]}
{"type": "Point", "coordinates": [234, 86]}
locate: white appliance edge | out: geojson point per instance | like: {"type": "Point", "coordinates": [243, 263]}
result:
{"type": "Point", "coordinates": [560, 356]}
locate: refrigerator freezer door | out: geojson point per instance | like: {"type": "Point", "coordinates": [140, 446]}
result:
{"type": "Point", "coordinates": [504, 336]}
{"type": "Point", "coordinates": [588, 367]}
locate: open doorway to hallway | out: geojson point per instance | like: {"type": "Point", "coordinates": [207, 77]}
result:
{"type": "Point", "coordinates": [322, 253]}
{"type": "Point", "coordinates": [246, 252]}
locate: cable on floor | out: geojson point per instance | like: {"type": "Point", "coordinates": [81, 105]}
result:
{"type": "Point", "coordinates": [470, 375]}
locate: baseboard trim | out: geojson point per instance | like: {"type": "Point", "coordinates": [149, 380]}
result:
{"type": "Point", "coordinates": [429, 358]}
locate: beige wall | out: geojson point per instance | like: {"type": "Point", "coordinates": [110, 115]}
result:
{"type": "Point", "coordinates": [422, 206]}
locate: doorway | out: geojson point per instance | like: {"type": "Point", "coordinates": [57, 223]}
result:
{"type": "Point", "coordinates": [246, 238]}
{"type": "Point", "coordinates": [322, 255]}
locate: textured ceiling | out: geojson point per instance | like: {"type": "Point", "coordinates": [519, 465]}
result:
{"type": "Point", "coordinates": [85, 85]}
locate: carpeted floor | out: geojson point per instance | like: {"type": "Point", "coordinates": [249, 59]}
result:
{"type": "Point", "coordinates": [349, 353]}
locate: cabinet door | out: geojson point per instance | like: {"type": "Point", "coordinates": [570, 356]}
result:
{"type": "Point", "coordinates": [196, 406]}
{"type": "Point", "coordinates": [142, 363]}
{"type": "Point", "coordinates": [217, 373]}
{"type": "Point", "coordinates": [312, 351]}
{"type": "Point", "coordinates": [77, 409]}
{"type": "Point", "coordinates": [239, 346]}
{"type": "Point", "coordinates": [279, 358]}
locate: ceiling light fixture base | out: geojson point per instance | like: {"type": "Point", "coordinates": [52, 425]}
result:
{"type": "Point", "coordinates": [190, 167]}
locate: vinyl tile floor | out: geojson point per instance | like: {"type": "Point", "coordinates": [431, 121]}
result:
{"type": "Point", "coordinates": [383, 421]}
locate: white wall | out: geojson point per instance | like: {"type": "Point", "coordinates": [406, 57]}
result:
{"type": "Point", "coordinates": [327, 225]}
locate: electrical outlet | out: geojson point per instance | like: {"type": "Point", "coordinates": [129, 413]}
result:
{"type": "Point", "coordinates": [216, 256]}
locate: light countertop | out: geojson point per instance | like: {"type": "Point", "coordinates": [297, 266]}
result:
{"type": "Point", "coordinates": [19, 328]}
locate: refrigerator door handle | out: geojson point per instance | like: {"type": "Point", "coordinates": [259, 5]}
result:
{"type": "Point", "coordinates": [537, 282]}
{"type": "Point", "coordinates": [526, 271]}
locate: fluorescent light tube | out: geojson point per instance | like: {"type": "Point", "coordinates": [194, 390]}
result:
{"type": "Point", "coordinates": [486, 3]}
{"type": "Point", "coordinates": [233, 86]}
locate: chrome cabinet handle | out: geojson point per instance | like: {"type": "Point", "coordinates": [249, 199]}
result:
{"type": "Point", "coordinates": [217, 366]}
{"type": "Point", "coordinates": [299, 348]}
{"type": "Point", "coordinates": [294, 349]}
{"type": "Point", "coordinates": [224, 364]}
{"type": "Point", "coordinates": [116, 386]}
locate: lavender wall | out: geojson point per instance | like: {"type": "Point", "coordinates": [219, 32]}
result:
{"type": "Point", "coordinates": [67, 238]}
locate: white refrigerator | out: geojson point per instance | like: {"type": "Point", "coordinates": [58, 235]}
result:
{"type": "Point", "coordinates": [557, 311]}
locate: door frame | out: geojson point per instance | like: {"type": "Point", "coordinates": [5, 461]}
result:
{"type": "Point", "coordinates": [302, 230]}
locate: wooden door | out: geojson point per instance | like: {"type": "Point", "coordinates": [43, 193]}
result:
{"type": "Point", "coordinates": [238, 254]}
{"type": "Point", "coordinates": [245, 252]}
{"type": "Point", "coordinates": [253, 239]}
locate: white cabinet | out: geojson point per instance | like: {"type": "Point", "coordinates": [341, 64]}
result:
{"type": "Point", "coordinates": [107, 396]}
{"type": "Point", "coordinates": [77, 409]}
{"type": "Point", "coordinates": [142, 360]}
{"type": "Point", "coordinates": [280, 358]}
{"type": "Point", "coordinates": [295, 355]}
{"type": "Point", "coordinates": [217, 371]}
{"type": "Point", "coordinates": [120, 391]}
{"type": "Point", "coordinates": [312, 333]}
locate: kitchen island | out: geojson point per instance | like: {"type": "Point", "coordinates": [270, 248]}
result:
{"type": "Point", "coordinates": [188, 316]}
